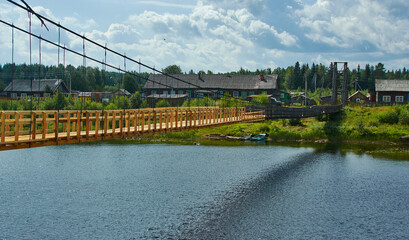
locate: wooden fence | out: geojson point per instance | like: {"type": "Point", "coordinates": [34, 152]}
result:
{"type": "Point", "coordinates": [24, 129]}
{"type": "Point", "coordinates": [277, 112]}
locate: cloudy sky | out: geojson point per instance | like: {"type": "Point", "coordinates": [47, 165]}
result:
{"type": "Point", "coordinates": [218, 35]}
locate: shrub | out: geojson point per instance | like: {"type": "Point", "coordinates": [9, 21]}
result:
{"type": "Point", "coordinates": [404, 117]}
{"type": "Point", "coordinates": [295, 122]}
{"type": "Point", "coordinates": [390, 117]}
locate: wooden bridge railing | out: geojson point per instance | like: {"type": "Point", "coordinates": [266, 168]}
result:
{"type": "Point", "coordinates": [22, 129]}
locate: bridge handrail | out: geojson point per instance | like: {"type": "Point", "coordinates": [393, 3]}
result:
{"type": "Point", "coordinates": [68, 126]}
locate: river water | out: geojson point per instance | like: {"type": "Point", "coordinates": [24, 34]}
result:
{"type": "Point", "coordinates": [131, 191]}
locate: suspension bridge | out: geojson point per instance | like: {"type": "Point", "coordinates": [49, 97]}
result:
{"type": "Point", "coordinates": [33, 128]}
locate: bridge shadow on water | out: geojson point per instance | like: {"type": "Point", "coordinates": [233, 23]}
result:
{"type": "Point", "coordinates": [223, 218]}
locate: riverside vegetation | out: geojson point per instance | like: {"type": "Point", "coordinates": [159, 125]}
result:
{"type": "Point", "coordinates": [373, 130]}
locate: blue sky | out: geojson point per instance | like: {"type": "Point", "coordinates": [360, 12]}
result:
{"type": "Point", "coordinates": [220, 35]}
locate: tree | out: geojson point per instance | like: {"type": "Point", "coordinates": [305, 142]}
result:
{"type": "Point", "coordinates": [173, 69]}
{"type": "Point", "coordinates": [130, 84]}
{"type": "Point", "coordinates": [136, 100]}
{"type": "Point", "coordinates": [47, 89]}
{"type": "Point", "coordinates": [162, 103]}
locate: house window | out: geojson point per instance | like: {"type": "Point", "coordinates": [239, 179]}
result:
{"type": "Point", "coordinates": [220, 93]}
{"type": "Point", "coordinates": [264, 92]}
{"type": "Point", "coordinates": [252, 93]}
{"type": "Point", "coordinates": [23, 95]}
{"type": "Point", "coordinates": [386, 99]}
{"type": "Point", "coordinates": [14, 95]}
{"type": "Point", "coordinates": [180, 91]}
{"type": "Point", "coordinates": [165, 92]}
{"type": "Point", "coordinates": [189, 93]}
{"type": "Point", "coordinates": [235, 93]}
{"type": "Point", "coordinates": [153, 92]}
{"type": "Point", "coordinates": [173, 92]}
{"type": "Point", "coordinates": [244, 94]}
{"type": "Point", "coordinates": [358, 100]}
{"type": "Point", "coordinates": [399, 99]}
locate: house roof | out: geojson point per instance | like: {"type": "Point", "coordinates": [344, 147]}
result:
{"type": "Point", "coordinates": [213, 81]}
{"type": "Point", "coordinates": [37, 85]}
{"type": "Point", "coordinates": [122, 92]}
{"type": "Point", "coordinates": [358, 93]}
{"type": "Point", "coordinates": [167, 96]}
{"type": "Point", "coordinates": [383, 85]}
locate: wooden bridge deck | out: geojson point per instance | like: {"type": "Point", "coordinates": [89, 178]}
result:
{"type": "Point", "coordinates": [25, 129]}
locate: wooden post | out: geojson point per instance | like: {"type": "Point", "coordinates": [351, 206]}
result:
{"type": "Point", "coordinates": [149, 120]}
{"type": "Point", "coordinates": [3, 127]}
{"type": "Point", "coordinates": [106, 124]}
{"type": "Point", "coordinates": [56, 125]}
{"type": "Point", "coordinates": [87, 125]}
{"type": "Point", "coordinates": [97, 123]}
{"type": "Point", "coordinates": [68, 125]}
{"type": "Point", "coordinates": [45, 125]}
{"type": "Point", "coordinates": [113, 123]}
{"type": "Point", "coordinates": [154, 120]}
{"type": "Point", "coordinates": [16, 125]}
{"type": "Point", "coordinates": [33, 125]}
{"type": "Point", "coordinates": [121, 123]}
{"type": "Point", "coordinates": [143, 121]}
{"type": "Point", "coordinates": [160, 120]}
{"type": "Point", "coordinates": [135, 120]}
{"type": "Point", "coordinates": [128, 121]}
{"type": "Point", "coordinates": [79, 125]}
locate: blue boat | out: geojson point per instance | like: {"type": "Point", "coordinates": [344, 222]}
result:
{"type": "Point", "coordinates": [259, 137]}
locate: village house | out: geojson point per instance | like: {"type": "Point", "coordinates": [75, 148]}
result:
{"type": "Point", "coordinates": [35, 88]}
{"type": "Point", "coordinates": [358, 97]}
{"type": "Point", "coordinates": [211, 85]}
{"type": "Point", "coordinates": [392, 91]}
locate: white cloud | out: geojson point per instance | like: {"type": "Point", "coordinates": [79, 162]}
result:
{"type": "Point", "coordinates": [355, 24]}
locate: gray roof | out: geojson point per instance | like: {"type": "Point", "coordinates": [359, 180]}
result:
{"type": "Point", "coordinates": [383, 85]}
{"type": "Point", "coordinates": [214, 81]}
{"type": "Point", "coordinates": [167, 96]}
{"type": "Point", "coordinates": [38, 85]}
{"type": "Point", "coordinates": [122, 92]}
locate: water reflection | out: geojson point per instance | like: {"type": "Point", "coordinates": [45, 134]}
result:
{"type": "Point", "coordinates": [127, 191]}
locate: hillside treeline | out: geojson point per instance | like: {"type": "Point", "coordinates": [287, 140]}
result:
{"type": "Point", "coordinates": [290, 78]}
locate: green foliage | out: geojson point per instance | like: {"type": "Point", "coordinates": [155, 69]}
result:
{"type": "Point", "coordinates": [404, 117]}
{"type": "Point", "coordinates": [389, 117]}
{"type": "Point", "coordinates": [144, 104]}
{"type": "Point", "coordinates": [162, 103]}
{"type": "Point", "coordinates": [135, 100]}
{"type": "Point", "coordinates": [295, 122]}
{"type": "Point", "coordinates": [130, 84]}
{"type": "Point", "coordinates": [48, 89]}
{"type": "Point", "coordinates": [260, 100]}
{"type": "Point", "coordinates": [173, 69]}
{"type": "Point", "coordinates": [199, 102]}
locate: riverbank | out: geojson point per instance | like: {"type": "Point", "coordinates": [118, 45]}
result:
{"type": "Point", "coordinates": [373, 130]}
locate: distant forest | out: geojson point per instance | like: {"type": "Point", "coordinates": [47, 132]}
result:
{"type": "Point", "coordinates": [291, 78]}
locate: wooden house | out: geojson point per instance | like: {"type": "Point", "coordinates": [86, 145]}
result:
{"type": "Point", "coordinates": [36, 88]}
{"type": "Point", "coordinates": [212, 85]}
{"type": "Point", "coordinates": [392, 91]}
{"type": "Point", "coordinates": [358, 97]}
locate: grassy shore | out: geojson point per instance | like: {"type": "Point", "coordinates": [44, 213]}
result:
{"type": "Point", "coordinates": [375, 130]}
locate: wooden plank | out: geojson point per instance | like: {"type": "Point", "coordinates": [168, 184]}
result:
{"type": "Point", "coordinates": [121, 123]}
{"type": "Point", "coordinates": [3, 127]}
{"type": "Point", "coordinates": [56, 123]}
{"type": "Point", "coordinates": [97, 123]}
{"type": "Point", "coordinates": [106, 123]}
{"type": "Point", "coordinates": [68, 116]}
{"type": "Point", "coordinates": [16, 126]}
{"type": "Point", "coordinates": [79, 115]}
{"type": "Point", "coordinates": [33, 125]}
{"type": "Point", "coordinates": [143, 121]}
